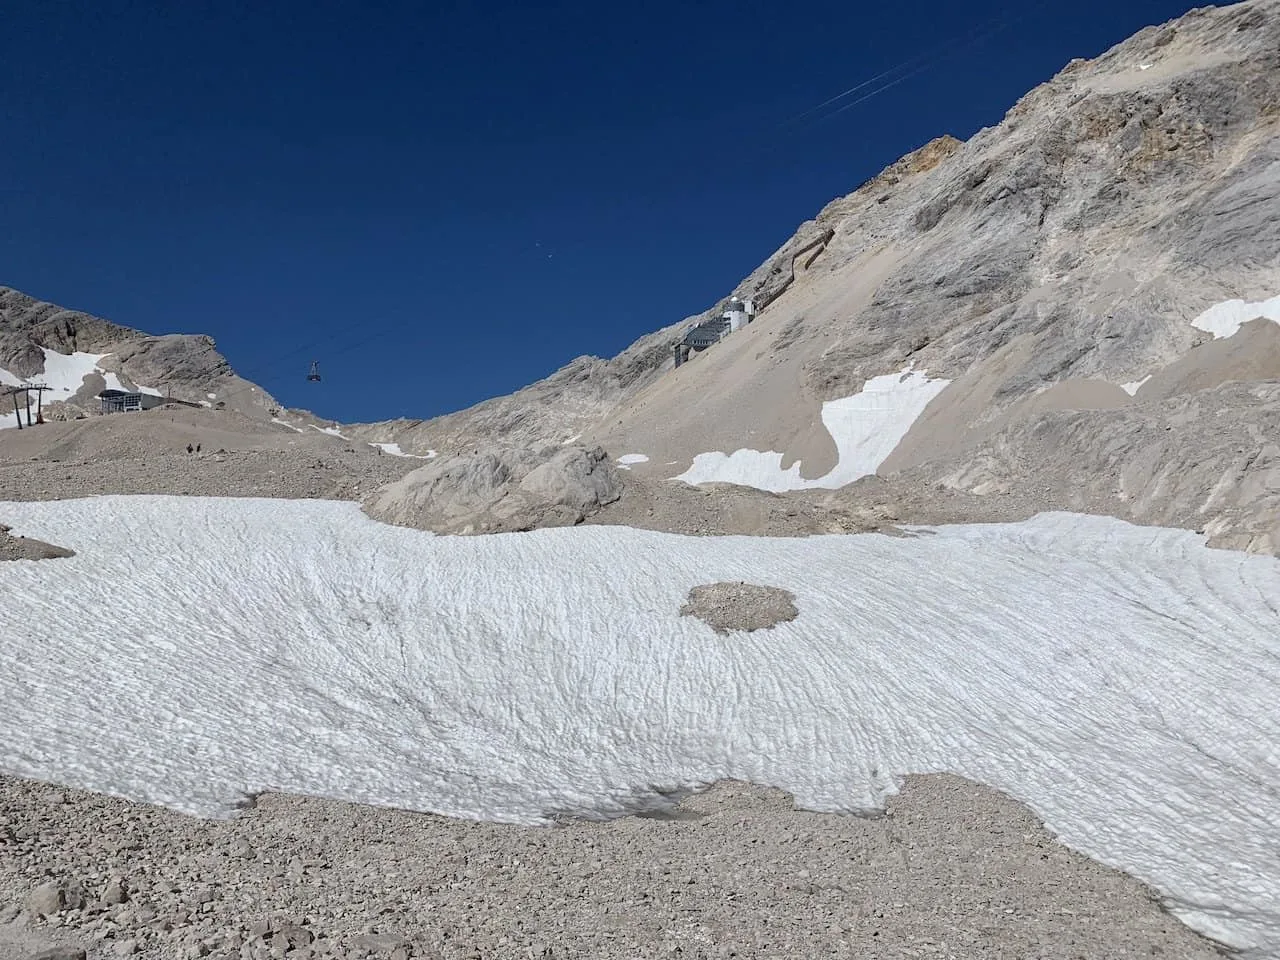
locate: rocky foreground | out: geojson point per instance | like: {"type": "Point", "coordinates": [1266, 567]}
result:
{"type": "Point", "coordinates": [952, 869]}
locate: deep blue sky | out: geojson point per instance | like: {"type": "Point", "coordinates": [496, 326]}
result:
{"type": "Point", "coordinates": [487, 190]}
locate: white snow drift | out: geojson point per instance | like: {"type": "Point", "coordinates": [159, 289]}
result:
{"type": "Point", "coordinates": [1121, 680]}
{"type": "Point", "coordinates": [395, 451]}
{"type": "Point", "coordinates": [64, 375]}
{"type": "Point", "coordinates": [866, 428]}
{"type": "Point", "coordinates": [1225, 318]}
{"type": "Point", "coordinates": [1133, 386]}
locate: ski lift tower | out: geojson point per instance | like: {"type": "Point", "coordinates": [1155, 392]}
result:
{"type": "Point", "coordinates": [26, 389]}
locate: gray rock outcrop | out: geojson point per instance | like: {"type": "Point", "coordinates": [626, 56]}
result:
{"type": "Point", "coordinates": [1046, 266]}
{"type": "Point", "coordinates": [187, 367]}
{"type": "Point", "coordinates": [499, 490]}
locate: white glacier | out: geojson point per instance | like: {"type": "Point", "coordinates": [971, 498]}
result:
{"type": "Point", "coordinates": [1120, 680]}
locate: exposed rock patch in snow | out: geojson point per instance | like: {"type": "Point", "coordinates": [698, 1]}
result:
{"type": "Point", "coordinates": [1090, 668]}
{"type": "Point", "coordinates": [865, 427]}
{"type": "Point", "coordinates": [731, 606]}
{"type": "Point", "coordinates": [501, 490]}
{"type": "Point", "coordinates": [1225, 318]}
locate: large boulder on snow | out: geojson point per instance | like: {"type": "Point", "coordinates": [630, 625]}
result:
{"type": "Point", "coordinates": [500, 490]}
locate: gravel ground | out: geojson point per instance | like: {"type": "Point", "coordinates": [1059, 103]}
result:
{"type": "Point", "coordinates": [24, 548]}
{"type": "Point", "coordinates": [873, 504]}
{"type": "Point", "coordinates": [953, 869]}
{"type": "Point", "coordinates": [303, 474]}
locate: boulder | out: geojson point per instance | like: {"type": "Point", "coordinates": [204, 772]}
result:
{"type": "Point", "coordinates": [501, 490]}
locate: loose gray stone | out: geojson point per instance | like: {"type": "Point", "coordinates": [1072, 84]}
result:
{"type": "Point", "coordinates": [46, 900]}
{"type": "Point", "coordinates": [379, 942]}
{"type": "Point", "coordinates": [740, 606]}
{"type": "Point", "coordinates": [59, 953]}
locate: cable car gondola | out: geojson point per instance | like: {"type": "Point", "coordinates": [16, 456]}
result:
{"type": "Point", "coordinates": [314, 375]}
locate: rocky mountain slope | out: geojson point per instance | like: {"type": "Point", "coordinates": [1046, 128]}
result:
{"type": "Point", "coordinates": [187, 367]}
{"type": "Point", "coordinates": [1052, 289]}
{"type": "Point", "coordinates": [1044, 275]}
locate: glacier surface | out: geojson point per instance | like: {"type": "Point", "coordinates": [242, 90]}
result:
{"type": "Point", "coordinates": [1120, 680]}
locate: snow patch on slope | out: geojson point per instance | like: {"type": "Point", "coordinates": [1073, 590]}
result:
{"type": "Point", "coordinates": [1119, 679]}
{"type": "Point", "coordinates": [627, 459]}
{"type": "Point", "coordinates": [64, 374]}
{"type": "Point", "coordinates": [1225, 318]}
{"type": "Point", "coordinates": [866, 428]}
{"type": "Point", "coordinates": [1133, 386]}
{"type": "Point", "coordinates": [395, 451]}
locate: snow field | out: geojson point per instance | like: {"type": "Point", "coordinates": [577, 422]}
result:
{"type": "Point", "coordinates": [866, 428]}
{"type": "Point", "coordinates": [395, 451]}
{"type": "Point", "coordinates": [64, 374]}
{"type": "Point", "coordinates": [1133, 386]}
{"type": "Point", "coordinates": [1121, 680]}
{"type": "Point", "coordinates": [1225, 318]}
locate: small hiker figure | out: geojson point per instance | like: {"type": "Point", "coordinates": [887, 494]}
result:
{"type": "Point", "coordinates": [197, 448]}
{"type": "Point", "coordinates": [189, 448]}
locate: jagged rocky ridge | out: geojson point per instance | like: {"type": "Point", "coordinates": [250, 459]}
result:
{"type": "Point", "coordinates": [1039, 265]}
{"type": "Point", "coordinates": [186, 366]}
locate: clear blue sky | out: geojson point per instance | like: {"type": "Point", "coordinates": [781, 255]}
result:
{"type": "Point", "coordinates": [488, 190]}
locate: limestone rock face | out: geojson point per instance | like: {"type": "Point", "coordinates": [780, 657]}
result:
{"type": "Point", "coordinates": [185, 366]}
{"type": "Point", "coordinates": [501, 489]}
{"type": "Point", "coordinates": [1049, 267]}
{"type": "Point", "coordinates": [1073, 241]}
